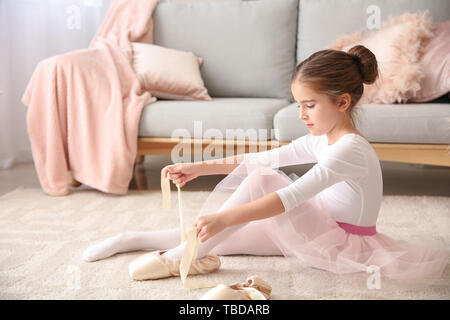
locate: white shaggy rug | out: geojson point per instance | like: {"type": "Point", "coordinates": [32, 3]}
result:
{"type": "Point", "coordinates": [42, 239]}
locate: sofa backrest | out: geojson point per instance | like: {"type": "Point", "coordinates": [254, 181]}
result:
{"type": "Point", "coordinates": [248, 47]}
{"type": "Point", "coordinates": [322, 21]}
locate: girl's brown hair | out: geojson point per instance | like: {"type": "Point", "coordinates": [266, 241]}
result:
{"type": "Point", "coordinates": [334, 72]}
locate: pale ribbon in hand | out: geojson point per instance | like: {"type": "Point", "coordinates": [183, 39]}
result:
{"type": "Point", "coordinates": [191, 239]}
{"type": "Point", "coordinates": [191, 248]}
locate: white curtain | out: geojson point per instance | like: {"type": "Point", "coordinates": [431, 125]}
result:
{"type": "Point", "coordinates": [30, 31]}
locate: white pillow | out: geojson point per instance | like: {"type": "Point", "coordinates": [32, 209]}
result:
{"type": "Point", "coordinates": [169, 73]}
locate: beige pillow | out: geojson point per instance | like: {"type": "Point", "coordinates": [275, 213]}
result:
{"type": "Point", "coordinates": [169, 73]}
{"type": "Point", "coordinates": [398, 46]}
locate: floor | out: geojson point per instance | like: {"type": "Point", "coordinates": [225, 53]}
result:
{"type": "Point", "coordinates": [398, 178]}
{"type": "Point", "coordinates": [61, 260]}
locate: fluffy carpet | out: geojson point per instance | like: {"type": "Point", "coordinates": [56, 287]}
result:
{"type": "Point", "coordinates": [42, 239]}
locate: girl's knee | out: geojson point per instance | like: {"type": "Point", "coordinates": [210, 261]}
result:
{"type": "Point", "coordinates": [267, 176]}
{"type": "Point", "coordinates": [261, 174]}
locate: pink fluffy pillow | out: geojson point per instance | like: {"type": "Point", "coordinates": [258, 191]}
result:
{"type": "Point", "coordinates": [398, 46]}
{"type": "Point", "coordinates": [435, 62]}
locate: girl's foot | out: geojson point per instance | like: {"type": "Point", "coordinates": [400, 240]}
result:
{"type": "Point", "coordinates": [102, 250]}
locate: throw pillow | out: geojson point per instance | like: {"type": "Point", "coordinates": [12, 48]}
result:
{"type": "Point", "coordinates": [398, 46]}
{"type": "Point", "coordinates": [169, 73]}
{"type": "Point", "coordinates": [435, 62]}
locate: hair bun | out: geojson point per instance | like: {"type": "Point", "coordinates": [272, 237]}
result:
{"type": "Point", "coordinates": [367, 63]}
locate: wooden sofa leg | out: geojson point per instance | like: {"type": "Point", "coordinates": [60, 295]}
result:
{"type": "Point", "coordinates": [140, 158]}
{"type": "Point", "coordinates": [140, 178]}
{"type": "Point", "coordinates": [75, 183]}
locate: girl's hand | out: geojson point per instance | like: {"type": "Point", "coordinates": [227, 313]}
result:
{"type": "Point", "coordinates": [209, 225]}
{"type": "Point", "coordinates": [180, 173]}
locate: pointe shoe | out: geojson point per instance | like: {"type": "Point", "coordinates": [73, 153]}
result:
{"type": "Point", "coordinates": [153, 265]}
{"type": "Point", "coordinates": [253, 288]}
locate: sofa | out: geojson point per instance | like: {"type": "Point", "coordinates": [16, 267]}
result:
{"type": "Point", "coordinates": [249, 51]}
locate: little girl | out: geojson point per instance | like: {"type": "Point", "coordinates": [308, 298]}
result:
{"type": "Point", "coordinates": [327, 217]}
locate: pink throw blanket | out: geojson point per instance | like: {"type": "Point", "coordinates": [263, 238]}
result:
{"type": "Point", "coordinates": [84, 106]}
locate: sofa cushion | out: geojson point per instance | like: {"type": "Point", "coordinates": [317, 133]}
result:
{"type": "Point", "coordinates": [397, 46]}
{"type": "Point", "coordinates": [247, 49]}
{"type": "Point", "coordinates": [169, 73]}
{"type": "Point", "coordinates": [406, 123]}
{"type": "Point", "coordinates": [322, 21]}
{"type": "Point", "coordinates": [288, 125]}
{"type": "Point", "coordinates": [244, 118]}
{"type": "Point", "coordinates": [435, 62]}
{"type": "Point", "coordinates": [388, 123]}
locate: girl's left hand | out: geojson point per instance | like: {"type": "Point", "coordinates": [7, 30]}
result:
{"type": "Point", "coordinates": [209, 225]}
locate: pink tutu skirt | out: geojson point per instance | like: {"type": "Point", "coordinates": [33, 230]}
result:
{"type": "Point", "coordinates": [310, 234]}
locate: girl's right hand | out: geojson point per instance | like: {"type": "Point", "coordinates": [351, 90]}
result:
{"type": "Point", "coordinates": [180, 173]}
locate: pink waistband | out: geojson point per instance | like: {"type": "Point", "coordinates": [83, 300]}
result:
{"type": "Point", "coordinates": [359, 230]}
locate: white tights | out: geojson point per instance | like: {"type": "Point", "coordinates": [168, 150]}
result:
{"type": "Point", "coordinates": [248, 238]}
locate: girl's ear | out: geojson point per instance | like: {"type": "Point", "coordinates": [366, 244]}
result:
{"type": "Point", "coordinates": [344, 101]}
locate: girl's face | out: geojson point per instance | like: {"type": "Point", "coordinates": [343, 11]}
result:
{"type": "Point", "coordinates": [320, 114]}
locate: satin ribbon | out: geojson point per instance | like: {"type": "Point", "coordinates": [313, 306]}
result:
{"type": "Point", "coordinates": [220, 291]}
{"type": "Point", "coordinates": [190, 238]}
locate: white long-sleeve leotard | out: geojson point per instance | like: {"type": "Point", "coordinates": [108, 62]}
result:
{"type": "Point", "coordinates": [346, 178]}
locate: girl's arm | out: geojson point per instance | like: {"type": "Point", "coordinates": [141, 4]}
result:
{"type": "Point", "coordinates": [265, 207]}
{"type": "Point", "coordinates": [219, 166]}
{"type": "Point", "coordinates": [296, 152]}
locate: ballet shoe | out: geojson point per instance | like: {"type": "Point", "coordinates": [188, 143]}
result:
{"type": "Point", "coordinates": [253, 288]}
{"type": "Point", "coordinates": [154, 265]}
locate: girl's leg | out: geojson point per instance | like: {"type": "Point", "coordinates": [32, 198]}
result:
{"type": "Point", "coordinates": [251, 240]}
{"type": "Point", "coordinates": [132, 241]}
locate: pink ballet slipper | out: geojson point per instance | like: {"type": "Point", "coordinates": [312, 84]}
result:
{"type": "Point", "coordinates": [253, 288]}
{"type": "Point", "coordinates": [154, 265]}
